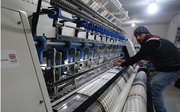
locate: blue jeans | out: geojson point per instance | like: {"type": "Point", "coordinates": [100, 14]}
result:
{"type": "Point", "coordinates": [159, 82]}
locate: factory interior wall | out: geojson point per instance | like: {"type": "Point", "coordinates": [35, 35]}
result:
{"type": "Point", "coordinates": [156, 29]}
{"type": "Point", "coordinates": [172, 29]}
{"type": "Point", "coordinates": [167, 31]}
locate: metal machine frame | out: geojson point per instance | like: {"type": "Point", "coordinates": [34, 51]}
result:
{"type": "Point", "coordinates": [64, 67]}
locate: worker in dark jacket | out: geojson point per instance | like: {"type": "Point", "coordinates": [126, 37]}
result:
{"type": "Point", "coordinates": [165, 57]}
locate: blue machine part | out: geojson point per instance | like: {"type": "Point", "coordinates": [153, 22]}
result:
{"type": "Point", "coordinates": [98, 29]}
{"type": "Point", "coordinates": [41, 45]}
{"type": "Point", "coordinates": [68, 50]}
{"type": "Point", "coordinates": [82, 23]}
{"type": "Point", "coordinates": [73, 44]}
{"type": "Point", "coordinates": [56, 13]}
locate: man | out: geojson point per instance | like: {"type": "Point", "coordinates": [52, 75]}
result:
{"type": "Point", "coordinates": [165, 57]}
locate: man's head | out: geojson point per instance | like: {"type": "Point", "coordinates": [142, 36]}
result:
{"type": "Point", "coordinates": [141, 33]}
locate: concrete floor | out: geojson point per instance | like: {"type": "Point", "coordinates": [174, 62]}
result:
{"type": "Point", "coordinates": [172, 98]}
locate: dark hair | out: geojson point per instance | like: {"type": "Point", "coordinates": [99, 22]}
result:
{"type": "Point", "coordinates": [141, 29]}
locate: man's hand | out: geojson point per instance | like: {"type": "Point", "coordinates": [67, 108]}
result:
{"type": "Point", "coordinates": [118, 62]}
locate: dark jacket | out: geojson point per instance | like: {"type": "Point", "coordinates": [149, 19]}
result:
{"type": "Point", "coordinates": [162, 53]}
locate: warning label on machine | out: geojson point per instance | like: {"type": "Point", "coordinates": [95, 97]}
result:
{"type": "Point", "coordinates": [9, 59]}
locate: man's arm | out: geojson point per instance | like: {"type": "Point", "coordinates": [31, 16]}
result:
{"type": "Point", "coordinates": [148, 49]}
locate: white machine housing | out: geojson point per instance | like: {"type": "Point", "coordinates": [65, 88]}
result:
{"type": "Point", "coordinates": [23, 86]}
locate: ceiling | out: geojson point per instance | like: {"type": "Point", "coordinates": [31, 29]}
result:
{"type": "Point", "coordinates": [137, 11]}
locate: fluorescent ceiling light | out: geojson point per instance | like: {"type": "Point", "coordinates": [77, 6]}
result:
{"type": "Point", "coordinates": [152, 8]}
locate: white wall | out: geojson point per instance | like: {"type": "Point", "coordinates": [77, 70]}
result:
{"type": "Point", "coordinates": [167, 31]}
{"type": "Point", "coordinates": [130, 33]}
{"type": "Point", "coordinates": [157, 29]}
{"type": "Point", "coordinates": [172, 29]}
